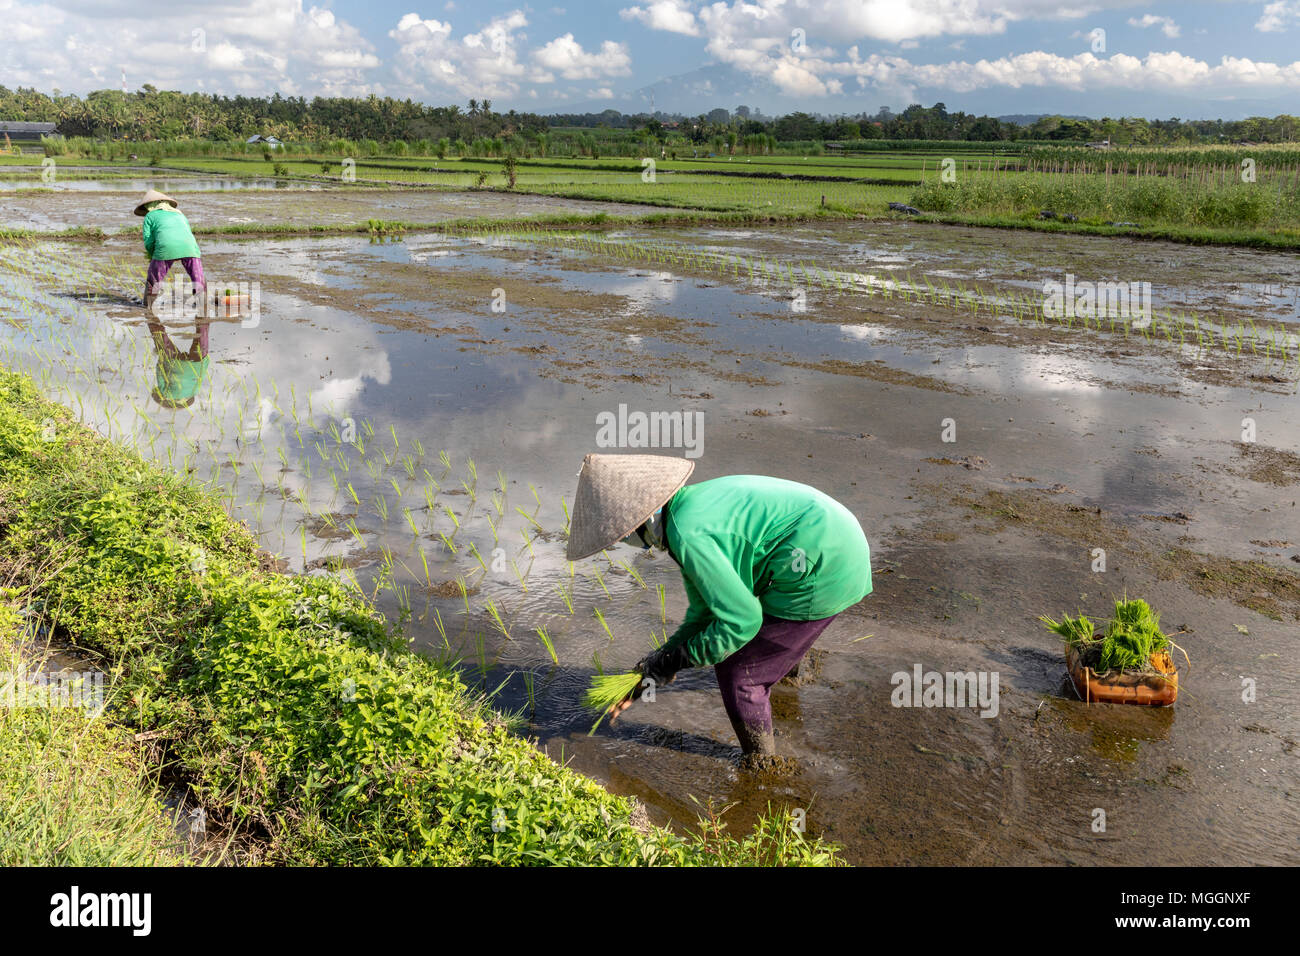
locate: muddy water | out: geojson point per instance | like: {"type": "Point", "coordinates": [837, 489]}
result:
{"type": "Point", "coordinates": [1065, 442]}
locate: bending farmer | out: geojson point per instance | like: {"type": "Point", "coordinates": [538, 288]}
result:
{"type": "Point", "coordinates": [167, 241]}
{"type": "Point", "coordinates": [766, 563]}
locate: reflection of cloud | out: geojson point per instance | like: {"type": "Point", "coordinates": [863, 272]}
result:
{"type": "Point", "coordinates": [654, 289]}
{"type": "Point", "coordinates": [866, 333]}
{"type": "Point", "coordinates": [1032, 371]}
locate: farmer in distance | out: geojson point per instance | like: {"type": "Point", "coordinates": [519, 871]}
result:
{"type": "Point", "coordinates": [766, 564]}
{"type": "Point", "coordinates": [168, 241]}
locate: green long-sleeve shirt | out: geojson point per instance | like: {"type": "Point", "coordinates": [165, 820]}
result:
{"type": "Point", "coordinates": [167, 235]}
{"type": "Point", "coordinates": [750, 545]}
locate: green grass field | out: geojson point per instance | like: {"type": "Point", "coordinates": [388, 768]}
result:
{"type": "Point", "coordinates": [1229, 195]}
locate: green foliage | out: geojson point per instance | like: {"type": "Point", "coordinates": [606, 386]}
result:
{"type": "Point", "coordinates": [293, 711]}
{"type": "Point", "coordinates": [1132, 635]}
{"type": "Point", "coordinates": [1222, 202]}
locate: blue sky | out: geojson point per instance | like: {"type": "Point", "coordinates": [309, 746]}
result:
{"type": "Point", "coordinates": [1197, 59]}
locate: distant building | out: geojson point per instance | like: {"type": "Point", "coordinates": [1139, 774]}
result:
{"type": "Point", "coordinates": [26, 132]}
{"type": "Point", "coordinates": [268, 141]}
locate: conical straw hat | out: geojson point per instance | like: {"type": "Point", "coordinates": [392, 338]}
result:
{"type": "Point", "coordinates": [616, 493]}
{"type": "Point", "coordinates": [153, 195]}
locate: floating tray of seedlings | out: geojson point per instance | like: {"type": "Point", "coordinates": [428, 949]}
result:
{"type": "Point", "coordinates": [1130, 662]}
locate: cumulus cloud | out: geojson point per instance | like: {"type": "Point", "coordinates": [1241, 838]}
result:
{"type": "Point", "coordinates": [566, 57]}
{"type": "Point", "coordinates": [1166, 24]}
{"type": "Point", "coordinates": [486, 63]}
{"type": "Point", "coordinates": [251, 46]}
{"type": "Point", "coordinates": [673, 16]}
{"type": "Point", "coordinates": [496, 60]}
{"type": "Point", "coordinates": [1083, 72]}
{"type": "Point", "coordinates": [1278, 16]}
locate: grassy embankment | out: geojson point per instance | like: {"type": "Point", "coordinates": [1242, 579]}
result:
{"type": "Point", "coordinates": [286, 704]}
{"type": "Point", "coordinates": [74, 790]}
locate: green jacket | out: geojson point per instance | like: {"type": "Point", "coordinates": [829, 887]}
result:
{"type": "Point", "coordinates": [750, 546]}
{"type": "Point", "coordinates": [167, 235]}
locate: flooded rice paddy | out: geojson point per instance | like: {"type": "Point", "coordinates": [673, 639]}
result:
{"type": "Point", "coordinates": [412, 415]}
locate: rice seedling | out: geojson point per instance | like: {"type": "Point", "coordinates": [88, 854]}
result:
{"type": "Point", "coordinates": [495, 614]}
{"type": "Point", "coordinates": [473, 549]}
{"type": "Point", "coordinates": [529, 518]}
{"type": "Point", "coordinates": [520, 577]}
{"type": "Point", "coordinates": [545, 638]}
{"type": "Point", "coordinates": [464, 593]}
{"type": "Point", "coordinates": [565, 596]}
{"type": "Point", "coordinates": [452, 515]}
{"type": "Point", "coordinates": [633, 573]}
{"type": "Point", "coordinates": [356, 532]}
{"type": "Point", "coordinates": [442, 628]}
{"type": "Point", "coordinates": [603, 623]}
{"type": "Point", "coordinates": [531, 694]}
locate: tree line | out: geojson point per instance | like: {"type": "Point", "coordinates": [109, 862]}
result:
{"type": "Point", "coordinates": [152, 114]}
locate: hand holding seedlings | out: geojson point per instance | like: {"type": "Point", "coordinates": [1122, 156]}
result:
{"type": "Point", "coordinates": [659, 667]}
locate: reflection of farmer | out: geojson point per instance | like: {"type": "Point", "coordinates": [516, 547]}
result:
{"type": "Point", "coordinates": [766, 564]}
{"type": "Point", "coordinates": [179, 374]}
{"type": "Point", "coordinates": [167, 240]}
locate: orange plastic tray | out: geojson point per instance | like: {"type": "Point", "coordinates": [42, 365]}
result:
{"type": "Point", "coordinates": [1151, 690]}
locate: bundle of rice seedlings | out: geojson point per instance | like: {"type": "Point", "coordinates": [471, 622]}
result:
{"type": "Point", "coordinates": [606, 690]}
{"type": "Point", "coordinates": [1075, 630]}
{"type": "Point", "coordinates": [1131, 636]}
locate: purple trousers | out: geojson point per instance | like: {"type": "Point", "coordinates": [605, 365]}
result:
{"type": "Point", "coordinates": [746, 677]}
{"type": "Point", "coordinates": [158, 269]}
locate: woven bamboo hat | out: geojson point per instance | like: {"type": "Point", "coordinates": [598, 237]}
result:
{"type": "Point", "coordinates": [616, 493]}
{"type": "Point", "coordinates": [153, 195]}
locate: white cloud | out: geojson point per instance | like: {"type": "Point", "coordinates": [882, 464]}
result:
{"type": "Point", "coordinates": [1166, 24]}
{"type": "Point", "coordinates": [566, 56]}
{"type": "Point", "coordinates": [1083, 72]}
{"type": "Point", "coordinates": [671, 15]}
{"type": "Point", "coordinates": [495, 61]}
{"type": "Point", "coordinates": [1278, 16]}
{"type": "Point", "coordinates": [482, 64]}
{"type": "Point", "coordinates": [253, 46]}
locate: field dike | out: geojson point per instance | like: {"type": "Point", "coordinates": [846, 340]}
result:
{"type": "Point", "coordinates": [285, 706]}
